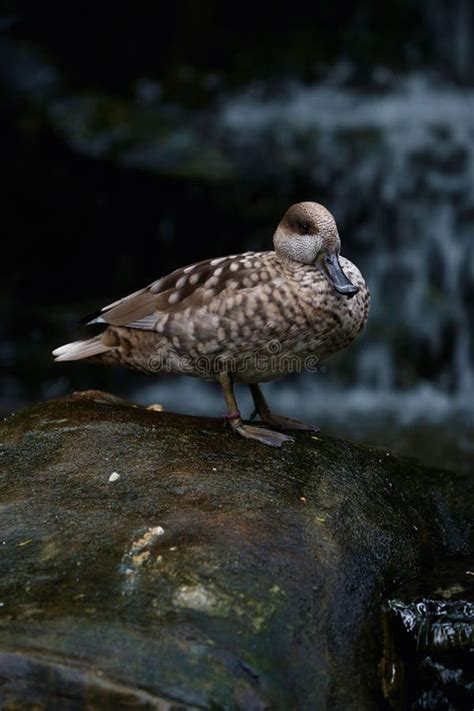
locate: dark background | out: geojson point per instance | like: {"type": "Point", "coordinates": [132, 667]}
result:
{"type": "Point", "coordinates": [137, 138]}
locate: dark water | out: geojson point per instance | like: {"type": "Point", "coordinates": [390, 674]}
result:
{"type": "Point", "coordinates": [114, 184]}
{"type": "Point", "coordinates": [429, 640]}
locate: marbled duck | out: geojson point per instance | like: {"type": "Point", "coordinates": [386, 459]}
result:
{"type": "Point", "coordinates": [246, 318]}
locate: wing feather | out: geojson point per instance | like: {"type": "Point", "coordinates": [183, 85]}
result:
{"type": "Point", "coordinates": [185, 288]}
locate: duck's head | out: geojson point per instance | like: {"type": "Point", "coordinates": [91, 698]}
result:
{"type": "Point", "coordinates": [308, 234]}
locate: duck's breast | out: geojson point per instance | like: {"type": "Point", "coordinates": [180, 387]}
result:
{"type": "Point", "coordinates": [336, 319]}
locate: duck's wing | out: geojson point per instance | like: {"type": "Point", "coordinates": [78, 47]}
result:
{"type": "Point", "coordinates": [186, 288]}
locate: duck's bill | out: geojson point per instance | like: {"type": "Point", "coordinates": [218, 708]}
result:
{"type": "Point", "coordinates": [333, 270]}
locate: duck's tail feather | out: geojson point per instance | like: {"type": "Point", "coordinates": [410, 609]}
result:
{"type": "Point", "coordinates": [81, 349]}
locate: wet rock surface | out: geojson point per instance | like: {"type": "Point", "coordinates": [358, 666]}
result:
{"type": "Point", "coordinates": [156, 561]}
{"type": "Point", "coordinates": [429, 640]}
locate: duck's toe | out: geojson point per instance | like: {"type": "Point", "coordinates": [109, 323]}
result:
{"type": "Point", "coordinates": [268, 437]}
{"type": "Point", "coordinates": [286, 423]}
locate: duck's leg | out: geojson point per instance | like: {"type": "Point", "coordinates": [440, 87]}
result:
{"type": "Point", "coordinates": [267, 416]}
{"type": "Point", "coordinates": [273, 439]}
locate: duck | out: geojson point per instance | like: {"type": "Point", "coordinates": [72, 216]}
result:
{"type": "Point", "coordinates": [245, 318]}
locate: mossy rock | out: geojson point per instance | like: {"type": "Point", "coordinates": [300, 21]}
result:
{"type": "Point", "coordinates": [212, 572]}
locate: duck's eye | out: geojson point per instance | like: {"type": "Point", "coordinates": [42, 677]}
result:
{"type": "Point", "coordinates": [304, 227]}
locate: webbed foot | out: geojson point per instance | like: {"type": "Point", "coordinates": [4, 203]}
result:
{"type": "Point", "coordinates": [287, 423]}
{"type": "Point", "coordinates": [260, 434]}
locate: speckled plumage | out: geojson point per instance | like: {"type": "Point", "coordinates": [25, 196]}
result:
{"type": "Point", "coordinates": [256, 315]}
{"type": "Point", "coordinates": [231, 317]}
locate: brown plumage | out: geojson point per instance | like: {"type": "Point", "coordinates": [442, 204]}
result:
{"type": "Point", "coordinates": [248, 318]}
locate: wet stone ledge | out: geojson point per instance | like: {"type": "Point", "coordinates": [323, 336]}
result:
{"type": "Point", "coordinates": [156, 561]}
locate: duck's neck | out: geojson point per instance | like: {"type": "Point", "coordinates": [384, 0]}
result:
{"type": "Point", "coordinates": [292, 266]}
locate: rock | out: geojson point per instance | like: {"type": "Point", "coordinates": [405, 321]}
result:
{"type": "Point", "coordinates": [429, 640]}
{"type": "Point", "coordinates": [214, 573]}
